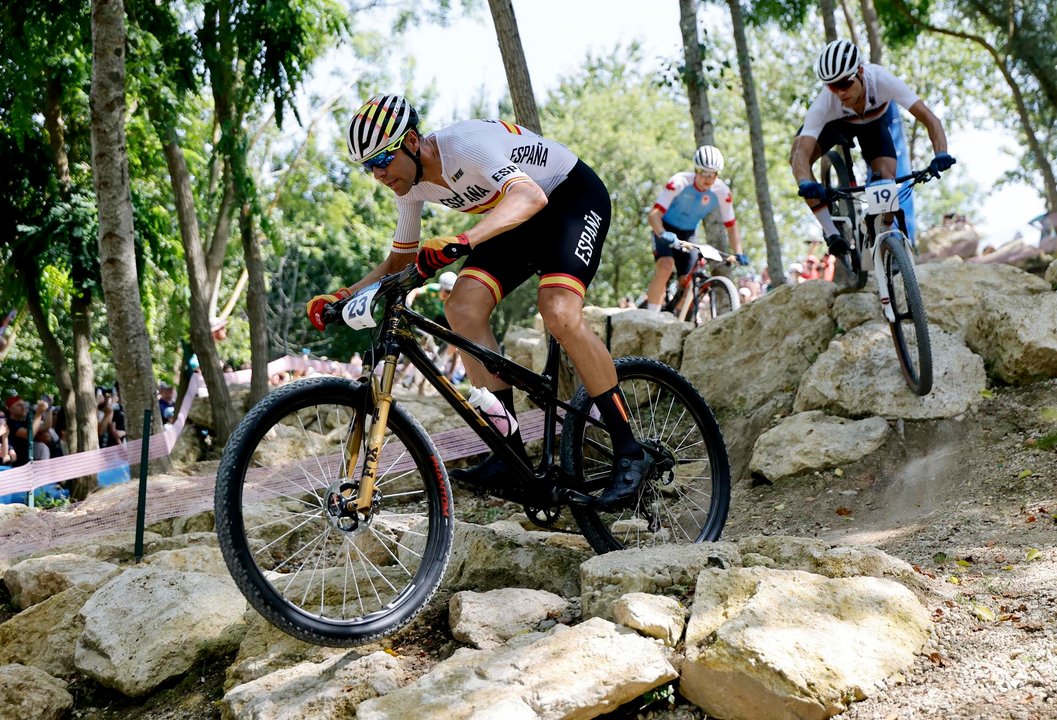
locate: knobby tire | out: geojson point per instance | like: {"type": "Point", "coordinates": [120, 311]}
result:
{"type": "Point", "coordinates": [687, 502]}
{"type": "Point", "coordinates": [905, 297]}
{"type": "Point", "coordinates": [311, 578]}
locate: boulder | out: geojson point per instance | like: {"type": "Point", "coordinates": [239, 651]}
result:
{"type": "Point", "coordinates": [767, 644]}
{"type": "Point", "coordinates": [857, 308]}
{"type": "Point", "coordinates": [654, 616]}
{"type": "Point", "coordinates": [743, 360]}
{"type": "Point", "coordinates": [28, 693]}
{"type": "Point", "coordinates": [149, 624]}
{"type": "Point", "coordinates": [37, 579]}
{"type": "Point", "coordinates": [487, 620]}
{"type": "Point", "coordinates": [669, 570]}
{"type": "Point", "coordinates": [201, 558]}
{"type": "Point", "coordinates": [649, 334]}
{"type": "Point", "coordinates": [45, 635]}
{"type": "Point", "coordinates": [952, 291]}
{"type": "Point", "coordinates": [570, 672]}
{"type": "Point", "coordinates": [1017, 337]}
{"type": "Point", "coordinates": [332, 688]}
{"type": "Point", "coordinates": [486, 559]}
{"type": "Point", "coordinates": [814, 440]}
{"type": "Point", "coordinates": [859, 376]}
{"type": "Point", "coordinates": [266, 649]}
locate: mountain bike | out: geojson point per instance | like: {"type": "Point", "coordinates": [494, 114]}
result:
{"type": "Point", "coordinates": [699, 295]}
{"type": "Point", "coordinates": [334, 510]}
{"type": "Point", "coordinates": [872, 222]}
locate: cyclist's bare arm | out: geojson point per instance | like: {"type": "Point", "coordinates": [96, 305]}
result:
{"type": "Point", "coordinates": [734, 238]}
{"type": "Point", "coordinates": [932, 124]}
{"type": "Point", "coordinates": [654, 218]}
{"type": "Point", "coordinates": [805, 152]}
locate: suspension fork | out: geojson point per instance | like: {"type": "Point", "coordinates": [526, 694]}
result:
{"type": "Point", "coordinates": [383, 401]}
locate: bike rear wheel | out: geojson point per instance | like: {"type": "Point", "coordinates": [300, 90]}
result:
{"type": "Point", "coordinates": [836, 173]}
{"type": "Point", "coordinates": [687, 499]}
{"type": "Point", "coordinates": [910, 330]}
{"type": "Point", "coordinates": [298, 562]}
{"type": "Point", "coordinates": [721, 296]}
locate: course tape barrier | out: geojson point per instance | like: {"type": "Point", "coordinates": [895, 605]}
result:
{"type": "Point", "coordinates": [39, 473]}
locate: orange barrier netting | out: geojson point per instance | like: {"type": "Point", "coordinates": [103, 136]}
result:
{"type": "Point", "coordinates": [113, 510]}
{"type": "Point", "coordinates": [31, 476]}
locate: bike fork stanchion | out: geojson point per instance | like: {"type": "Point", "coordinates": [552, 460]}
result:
{"type": "Point", "coordinates": [141, 506]}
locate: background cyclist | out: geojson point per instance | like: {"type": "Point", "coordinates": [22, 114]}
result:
{"type": "Point", "coordinates": [544, 212]}
{"type": "Point", "coordinates": [685, 201]}
{"type": "Point", "coordinates": [853, 105]}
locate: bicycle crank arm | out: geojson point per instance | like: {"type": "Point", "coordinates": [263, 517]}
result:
{"type": "Point", "coordinates": [572, 497]}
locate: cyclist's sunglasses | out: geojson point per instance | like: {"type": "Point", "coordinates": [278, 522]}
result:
{"type": "Point", "coordinates": [842, 84]}
{"type": "Point", "coordinates": [383, 157]}
{"type": "Point", "coordinates": [706, 174]}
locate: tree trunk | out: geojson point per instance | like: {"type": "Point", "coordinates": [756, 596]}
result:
{"type": "Point", "coordinates": [517, 74]}
{"type": "Point", "coordinates": [759, 155]}
{"type": "Point", "coordinates": [873, 30]}
{"type": "Point", "coordinates": [52, 349]}
{"type": "Point", "coordinates": [694, 76]}
{"type": "Point", "coordinates": [829, 23]}
{"type": "Point", "coordinates": [79, 405]}
{"type": "Point", "coordinates": [849, 18]}
{"type": "Point", "coordinates": [117, 251]}
{"type": "Point", "coordinates": [201, 337]}
{"type": "Point", "coordinates": [256, 306]}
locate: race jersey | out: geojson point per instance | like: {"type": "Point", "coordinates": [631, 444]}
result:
{"type": "Point", "coordinates": [684, 206]}
{"type": "Point", "coordinates": [481, 161]}
{"type": "Point", "coordinates": [881, 86]}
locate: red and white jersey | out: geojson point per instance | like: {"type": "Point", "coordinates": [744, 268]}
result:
{"type": "Point", "coordinates": [684, 206]}
{"type": "Point", "coordinates": [881, 88]}
{"type": "Point", "coordinates": [481, 161]}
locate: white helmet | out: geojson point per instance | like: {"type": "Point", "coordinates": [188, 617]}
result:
{"type": "Point", "coordinates": [447, 280]}
{"type": "Point", "coordinates": [708, 157]}
{"type": "Point", "coordinates": [379, 123]}
{"type": "Point", "coordinates": [839, 59]}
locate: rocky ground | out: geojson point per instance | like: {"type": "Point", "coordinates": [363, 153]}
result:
{"type": "Point", "coordinates": [972, 503]}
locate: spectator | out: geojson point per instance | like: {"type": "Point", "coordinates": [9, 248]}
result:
{"type": "Point", "coordinates": [21, 428]}
{"type": "Point", "coordinates": [795, 271]}
{"type": "Point", "coordinates": [7, 456]}
{"type": "Point", "coordinates": [626, 302]}
{"type": "Point", "coordinates": [166, 398]}
{"type": "Point", "coordinates": [810, 269]}
{"type": "Point", "coordinates": [109, 434]}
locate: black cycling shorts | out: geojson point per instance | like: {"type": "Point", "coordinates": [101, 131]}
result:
{"type": "Point", "coordinates": [875, 139]}
{"type": "Point", "coordinates": [562, 243]}
{"type": "Point", "coordinates": [683, 260]}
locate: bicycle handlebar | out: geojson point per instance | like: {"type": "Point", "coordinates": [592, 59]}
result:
{"type": "Point", "coordinates": [917, 176]}
{"type": "Point", "coordinates": [707, 251]}
{"type": "Point", "coordinates": [405, 280]}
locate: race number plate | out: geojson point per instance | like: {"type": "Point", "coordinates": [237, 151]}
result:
{"type": "Point", "coordinates": [357, 312]}
{"type": "Point", "coordinates": [882, 198]}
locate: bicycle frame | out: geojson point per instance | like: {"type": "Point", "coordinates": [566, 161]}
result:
{"type": "Point", "coordinates": [541, 486]}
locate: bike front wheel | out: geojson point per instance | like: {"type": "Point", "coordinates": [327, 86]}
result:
{"type": "Point", "coordinates": [910, 330]}
{"type": "Point", "coordinates": [312, 571]}
{"type": "Point", "coordinates": [714, 297]}
{"type": "Point", "coordinates": [687, 498]}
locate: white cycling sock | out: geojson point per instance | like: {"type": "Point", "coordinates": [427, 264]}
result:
{"type": "Point", "coordinates": [653, 307]}
{"type": "Point", "coordinates": [825, 220]}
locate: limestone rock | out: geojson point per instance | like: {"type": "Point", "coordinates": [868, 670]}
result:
{"type": "Point", "coordinates": [332, 688]}
{"type": "Point", "coordinates": [487, 620]}
{"type": "Point", "coordinates": [45, 635]}
{"type": "Point", "coordinates": [570, 672]}
{"type": "Point", "coordinates": [37, 579]}
{"type": "Point", "coordinates": [661, 570]}
{"type": "Point", "coordinates": [28, 693]}
{"type": "Point", "coordinates": [649, 334]}
{"type": "Point", "coordinates": [201, 558]}
{"type": "Point", "coordinates": [148, 625]}
{"type": "Point", "coordinates": [814, 440]}
{"type": "Point", "coordinates": [742, 360]}
{"type": "Point", "coordinates": [1017, 337]}
{"type": "Point", "coordinates": [774, 645]}
{"type": "Point", "coordinates": [859, 375]}
{"type": "Point", "coordinates": [654, 616]}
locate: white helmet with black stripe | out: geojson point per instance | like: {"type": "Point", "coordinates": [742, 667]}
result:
{"type": "Point", "coordinates": [708, 157]}
{"type": "Point", "coordinates": [839, 59]}
{"type": "Point", "coordinates": [379, 123]}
